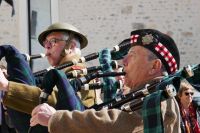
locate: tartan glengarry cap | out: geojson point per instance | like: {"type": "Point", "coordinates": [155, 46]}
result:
{"type": "Point", "coordinates": [162, 45]}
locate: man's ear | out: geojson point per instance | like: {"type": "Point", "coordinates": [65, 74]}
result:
{"type": "Point", "coordinates": [72, 45]}
{"type": "Point", "coordinates": [156, 66]}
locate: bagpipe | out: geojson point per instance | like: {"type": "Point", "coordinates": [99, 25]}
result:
{"type": "Point", "coordinates": [88, 70]}
{"type": "Point", "coordinates": [105, 70]}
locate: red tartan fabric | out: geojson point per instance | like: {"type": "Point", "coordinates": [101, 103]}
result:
{"type": "Point", "coordinates": [190, 120]}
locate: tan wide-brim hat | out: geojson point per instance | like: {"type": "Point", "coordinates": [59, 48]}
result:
{"type": "Point", "coordinates": [63, 27]}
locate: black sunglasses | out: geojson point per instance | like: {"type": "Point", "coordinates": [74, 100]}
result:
{"type": "Point", "coordinates": [189, 93]}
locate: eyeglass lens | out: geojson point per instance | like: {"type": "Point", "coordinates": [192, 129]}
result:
{"type": "Point", "coordinates": [51, 42]}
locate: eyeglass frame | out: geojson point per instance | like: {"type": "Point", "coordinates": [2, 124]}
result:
{"type": "Point", "coordinates": [52, 42]}
{"type": "Point", "coordinates": [189, 93]}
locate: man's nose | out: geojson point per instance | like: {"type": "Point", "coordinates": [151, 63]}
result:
{"type": "Point", "coordinates": [47, 46]}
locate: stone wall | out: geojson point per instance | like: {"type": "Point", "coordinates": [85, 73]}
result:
{"type": "Point", "coordinates": [9, 28]}
{"type": "Point", "coordinates": [108, 22]}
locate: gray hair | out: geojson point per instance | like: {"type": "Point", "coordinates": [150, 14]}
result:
{"type": "Point", "coordinates": [76, 40]}
{"type": "Point", "coordinates": [152, 56]}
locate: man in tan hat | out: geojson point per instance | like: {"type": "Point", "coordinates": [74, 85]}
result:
{"type": "Point", "coordinates": [62, 42]}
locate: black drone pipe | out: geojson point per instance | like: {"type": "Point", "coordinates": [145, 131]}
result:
{"type": "Point", "coordinates": [36, 56]}
{"type": "Point", "coordinates": [93, 86]}
{"type": "Point", "coordinates": [136, 104]}
{"type": "Point", "coordinates": [85, 71]}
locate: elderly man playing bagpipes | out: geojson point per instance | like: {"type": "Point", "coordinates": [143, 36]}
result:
{"type": "Point", "coordinates": [152, 55]}
{"type": "Point", "coordinates": [62, 42]}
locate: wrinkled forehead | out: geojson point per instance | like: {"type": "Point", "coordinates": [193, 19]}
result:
{"type": "Point", "coordinates": [139, 49]}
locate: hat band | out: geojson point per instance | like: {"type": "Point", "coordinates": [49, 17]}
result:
{"type": "Point", "coordinates": [162, 51]}
{"type": "Point", "coordinates": [134, 38]}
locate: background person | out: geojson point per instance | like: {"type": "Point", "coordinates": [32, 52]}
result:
{"type": "Point", "coordinates": [189, 108]}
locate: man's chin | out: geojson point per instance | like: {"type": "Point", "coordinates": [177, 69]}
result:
{"type": "Point", "coordinates": [127, 84]}
{"type": "Point", "coordinates": [126, 81]}
{"type": "Point", "coordinates": [51, 62]}
{"type": "Point", "coordinates": [126, 91]}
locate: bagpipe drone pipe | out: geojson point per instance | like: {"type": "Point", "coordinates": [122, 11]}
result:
{"type": "Point", "coordinates": [83, 71]}
{"type": "Point", "coordinates": [167, 87]}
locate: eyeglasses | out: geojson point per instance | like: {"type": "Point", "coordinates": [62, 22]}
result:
{"type": "Point", "coordinates": [189, 93]}
{"type": "Point", "coordinates": [51, 43]}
